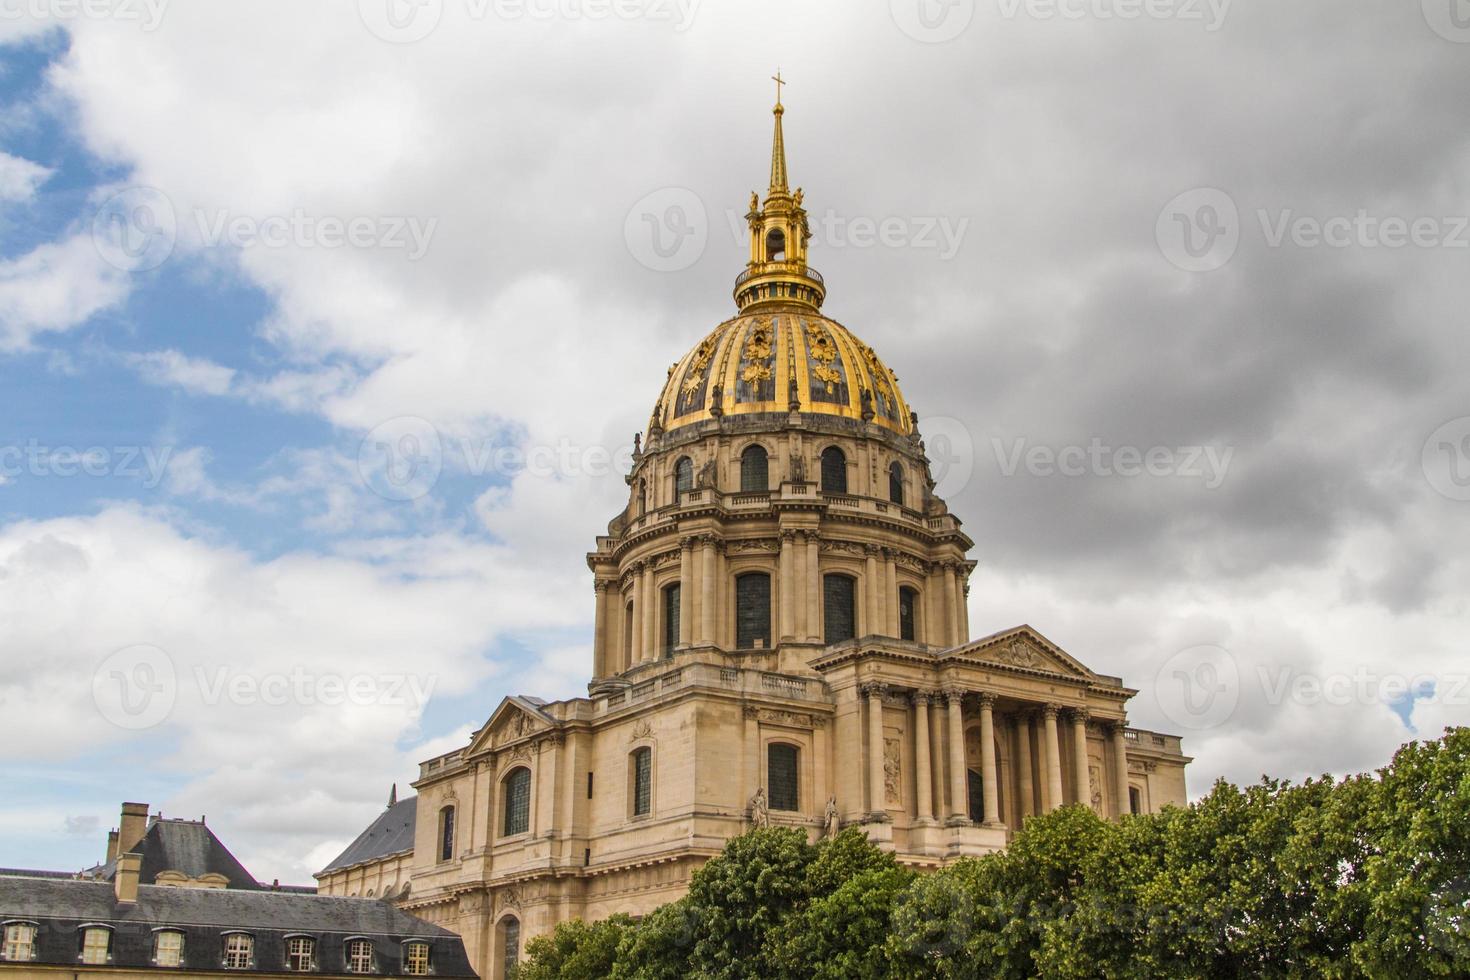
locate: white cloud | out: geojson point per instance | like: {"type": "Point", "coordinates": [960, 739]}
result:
{"type": "Point", "coordinates": [19, 177]}
{"type": "Point", "coordinates": [54, 287]}
{"type": "Point", "coordinates": [276, 777]}
{"type": "Point", "coordinates": [196, 375]}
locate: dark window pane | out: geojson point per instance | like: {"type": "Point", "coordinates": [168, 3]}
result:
{"type": "Point", "coordinates": [781, 772]}
{"type": "Point", "coordinates": [753, 470]}
{"type": "Point", "coordinates": [683, 475]}
{"type": "Point", "coordinates": [512, 944]}
{"type": "Point", "coordinates": [752, 610]}
{"type": "Point", "coordinates": [671, 619]}
{"type": "Point", "coordinates": [977, 796]}
{"type": "Point", "coordinates": [907, 599]}
{"type": "Point", "coordinates": [895, 483]}
{"type": "Point", "coordinates": [834, 470]}
{"type": "Point", "coordinates": [837, 608]}
{"type": "Point", "coordinates": [446, 839]}
{"type": "Point", "coordinates": [518, 802]}
{"type": "Point", "coordinates": [642, 781]}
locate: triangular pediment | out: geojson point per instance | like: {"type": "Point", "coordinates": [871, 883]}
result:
{"type": "Point", "coordinates": [1025, 649]}
{"type": "Point", "coordinates": [515, 719]}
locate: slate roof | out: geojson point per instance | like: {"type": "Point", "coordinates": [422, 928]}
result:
{"type": "Point", "coordinates": [205, 915]}
{"type": "Point", "coordinates": [391, 833]}
{"type": "Point", "coordinates": [188, 846]}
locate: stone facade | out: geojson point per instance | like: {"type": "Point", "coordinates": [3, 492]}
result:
{"type": "Point", "coordinates": [781, 638]}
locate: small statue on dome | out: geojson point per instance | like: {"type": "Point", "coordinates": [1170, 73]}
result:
{"type": "Point", "coordinates": [637, 444]}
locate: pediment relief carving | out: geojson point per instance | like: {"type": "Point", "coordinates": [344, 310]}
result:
{"type": "Point", "coordinates": [1027, 653]}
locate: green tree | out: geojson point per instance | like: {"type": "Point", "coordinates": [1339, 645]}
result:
{"type": "Point", "coordinates": [575, 950]}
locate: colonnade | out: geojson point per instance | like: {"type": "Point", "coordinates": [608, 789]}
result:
{"type": "Point", "coordinates": [936, 758]}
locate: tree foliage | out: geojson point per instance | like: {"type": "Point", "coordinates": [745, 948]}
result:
{"type": "Point", "coordinates": [1363, 877]}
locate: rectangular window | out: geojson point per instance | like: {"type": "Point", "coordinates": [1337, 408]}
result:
{"type": "Point", "coordinates": [168, 948]}
{"type": "Point", "coordinates": [359, 956]}
{"type": "Point", "coordinates": [512, 945]}
{"type": "Point", "coordinates": [753, 611]}
{"type": "Point", "coordinates": [642, 781]}
{"type": "Point", "coordinates": [589, 786]}
{"type": "Point", "coordinates": [781, 774]}
{"type": "Point", "coordinates": [300, 954]}
{"type": "Point", "coordinates": [1135, 800]}
{"type": "Point", "coordinates": [838, 620]}
{"type": "Point", "coordinates": [20, 942]}
{"type": "Point", "coordinates": [446, 834]}
{"type": "Point", "coordinates": [518, 802]}
{"type": "Point", "coordinates": [907, 599]}
{"type": "Point", "coordinates": [238, 950]}
{"type": "Point", "coordinates": [671, 619]}
{"type": "Point", "coordinates": [416, 960]}
{"type": "Point", "coordinates": [95, 942]}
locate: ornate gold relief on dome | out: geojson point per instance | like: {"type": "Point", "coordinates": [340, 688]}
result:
{"type": "Point", "coordinates": [824, 366]}
{"type": "Point", "coordinates": [757, 363]}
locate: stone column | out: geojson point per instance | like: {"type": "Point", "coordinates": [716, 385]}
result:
{"type": "Point", "coordinates": [890, 591]}
{"type": "Point", "coordinates": [958, 772]}
{"type": "Point", "coordinates": [599, 629]}
{"type": "Point", "coordinates": [1079, 756]}
{"type": "Point", "coordinates": [649, 617]}
{"type": "Point", "coordinates": [924, 806]}
{"type": "Point", "coordinates": [962, 606]}
{"type": "Point", "coordinates": [813, 580]}
{"type": "Point", "coordinates": [1118, 730]}
{"type": "Point", "coordinates": [988, 782]}
{"type": "Point", "coordinates": [707, 590]}
{"type": "Point", "coordinates": [788, 585]}
{"type": "Point", "coordinates": [936, 754]}
{"type": "Point", "coordinates": [873, 623]}
{"type": "Point", "coordinates": [951, 613]}
{"type": "Point", "coordinates": [1024, 789]}
{"type": "Point", "coordinates": [686, 591]}
{"type": "Point", "coordinates": [877, 804]}
{"type": "Point", "coordinates": [798, 590]}
{"type": "Point", "coordinates": [1053, 758]}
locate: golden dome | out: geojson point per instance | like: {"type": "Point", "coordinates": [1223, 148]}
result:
{"type": "Point", "coordinates": [780, 360]}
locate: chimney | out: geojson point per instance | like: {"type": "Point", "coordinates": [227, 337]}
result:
{"type": "Point", "coordinates": [125, 879]}
{"type": "Point", "coordinates": [134, 825]}
{"type": "Point", "coordinates": [112, 848]}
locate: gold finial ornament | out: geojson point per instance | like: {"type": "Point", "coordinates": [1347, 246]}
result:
{"type": "Point", "coordinates": [777, 274]}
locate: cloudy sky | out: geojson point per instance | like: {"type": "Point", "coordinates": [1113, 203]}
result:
{"type": "Point", "coordinates": [324, 330]}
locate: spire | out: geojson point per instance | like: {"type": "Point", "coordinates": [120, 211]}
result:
{"type": "Point", "coordinates": [778, 144]}
{"type": "Point", "coordinates": [393, 795]}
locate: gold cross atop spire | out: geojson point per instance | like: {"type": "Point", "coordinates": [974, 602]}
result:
{"type": "Point", "coordinates": [778, 144]}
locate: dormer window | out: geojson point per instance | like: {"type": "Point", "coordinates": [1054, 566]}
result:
{"type": "Point", "coordinates": [300, 954]}
{"type": "Point", "coordinates": [20, 942]}
{"type": "Point", "coordinates": [96, 945]}
{"type": "Point", "coordinates": [168, 948]}
{"type": "Point", "coordinates": [416, 958]}
{"type": "Point", "coordinates": [239, 951]}
{"type": "Point", "coordinates": [359, 956]}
